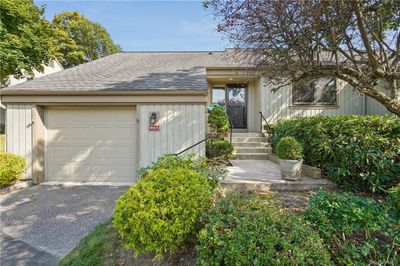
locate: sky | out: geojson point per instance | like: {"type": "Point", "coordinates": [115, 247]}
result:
{"type": "Point", "coordinates": [149, 25]}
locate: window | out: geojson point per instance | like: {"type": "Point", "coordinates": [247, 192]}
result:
{"type": "Point", "coordinates": [218, 96]}
{"type": "Point", "coordinates": [316, 92]}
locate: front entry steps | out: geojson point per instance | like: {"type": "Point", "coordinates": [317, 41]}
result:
{"type": "Point", "coordinates": [250, 146]}
{"type": "Point", "coordinates": [262, 176]}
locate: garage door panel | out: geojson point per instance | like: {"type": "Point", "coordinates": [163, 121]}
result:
{"type": "Point", "coordinates": [94, 144]}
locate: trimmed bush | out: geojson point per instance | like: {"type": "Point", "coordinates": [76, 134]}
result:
{"type": "Point", "coordinates": [357, 230]}
{"type": "Point", "coordinates": [11, 168]}
{"type": "Point", "coordinates": [218, 121]}
{"type": "Point", "coordinates": [219, 149]}
{"type": "Point", "coordinates": [288, 148]}
{"type": "Point", "coordinates": [162, 210]}
{"type": "Point", "coordinates": [242, 230]}
{"type": "Point", "coordinates": [358, 152]}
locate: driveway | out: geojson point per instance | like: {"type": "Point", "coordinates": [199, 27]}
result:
{"type": "Point", "coordinates": [41, 224]}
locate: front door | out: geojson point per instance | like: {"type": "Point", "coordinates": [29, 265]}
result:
{"type": "Point", "coordinates": [236, 104]}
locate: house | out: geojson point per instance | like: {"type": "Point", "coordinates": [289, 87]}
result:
{"type": "Point", "coordinates": [53, 66]}
{"type": "Point", "coordinates": [102, 120]}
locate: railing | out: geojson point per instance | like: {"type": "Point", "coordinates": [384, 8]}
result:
{"type": "Point", "coordinates": [263, 118]}
{"type": "Point", "coordinates": [230, 128]}
{"type": "Point", "coordinates": [194, 145]}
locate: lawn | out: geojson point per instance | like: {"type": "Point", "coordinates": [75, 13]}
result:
{"type": "Point", "coordinates": [2, 142]}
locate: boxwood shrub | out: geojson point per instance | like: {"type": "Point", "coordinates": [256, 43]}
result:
{"type": "Point", "coordinates": [11, 168]}
{"type": "Point", "coordinates": [218, 149]}
{"type": "Point", "coordinates": [288, 148]}
{"type": "Point", "coordinates": [218, 121]}
{"type": "Point", "coordinates": [356, 230]}
{"type": "Point", "coordinates": [358, 152]}
{"type": "Point", "coordinates": [162, 210]}
{"type": "Point", "coordinates": [242, 230]}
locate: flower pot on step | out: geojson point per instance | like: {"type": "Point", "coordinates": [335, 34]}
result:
{"type": "Point", "coordinates": [290, 169]}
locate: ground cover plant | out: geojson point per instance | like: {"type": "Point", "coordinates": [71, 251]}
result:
{"type": "Point", "coordinates": [360, 153]}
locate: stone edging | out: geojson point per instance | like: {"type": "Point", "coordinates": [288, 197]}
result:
{"type": "Point", "coordinates": [19, 185]}
{"type": "Point", "coordinates": [310, 171]}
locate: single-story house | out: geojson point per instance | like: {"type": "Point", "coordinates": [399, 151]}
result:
{"type": "Point", "coordinates": [102, 120]}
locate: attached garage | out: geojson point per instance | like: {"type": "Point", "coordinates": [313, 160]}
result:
{"type": "Point", "coordinates": [91, 144]}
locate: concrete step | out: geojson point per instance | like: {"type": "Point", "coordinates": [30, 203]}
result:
{"type": "Point", "coordinates": [247, 134]}
{"type": "Point", "coordinates": [251, 156]}
{"type": "Point", "coordinates": [251, 144]}
{"type": "Point", "coordinates": [249, 139]}
{"type": "Point", "coordinates": [240, 150]}
{"type": "Point", "coordinates": [275, 185]}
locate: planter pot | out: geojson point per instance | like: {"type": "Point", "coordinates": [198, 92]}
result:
{"type": "Point", "coordinates": [290, 169]}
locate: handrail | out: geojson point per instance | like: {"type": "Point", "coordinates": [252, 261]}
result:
{"type": "Point", "coordinates": [263, 118]}
{"type": "Point", "coordinates": [194, 145]}
{"type": "Point", "coordinates": [230, 127]}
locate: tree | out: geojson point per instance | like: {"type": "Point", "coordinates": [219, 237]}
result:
{"type": "Point", "coordinates": [357, 41]}
{"type": "Point", "coordinates": [79, 40]}
{"type": "Point", "coordinates": [25, 39]}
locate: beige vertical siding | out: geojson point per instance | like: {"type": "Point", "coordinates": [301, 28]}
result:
{"type": "Point", "coordinates": [181, 125]}
{"type": "Point", "coordinates": [19, 133]}
{"type": "Point", "coordinates": [277, 105]}
{"type": "Point", "coordinates": [373, 107]}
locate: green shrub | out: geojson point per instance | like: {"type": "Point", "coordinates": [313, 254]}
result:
{"type": "Point", "coordinates": [162, 210]}
{"type": "Point", "coordinates": [288, 148]}
{"type": "Point", "coordinates": [199, 164]}
{"type": "Point", "coordinates": [218, 121]}
{"type": "Point", "coordinates": [357, 230]}
{"type": "Point", "coordinates": [219, 149]}
{"type": "Point", "coordinates": [242, 230]}
{"type": "Point", "coordinates": [358, 152]}
{"type": "Point", "coordinates": [11, 168]}
{"type": "Point", "coordinates": [393, 200]}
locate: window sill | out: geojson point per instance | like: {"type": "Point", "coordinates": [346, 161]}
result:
{"type": "Point", "coordinates": [321, 106]}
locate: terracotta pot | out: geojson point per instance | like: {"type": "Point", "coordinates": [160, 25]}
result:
{"type": "Point", "coordinates": [290, 169]}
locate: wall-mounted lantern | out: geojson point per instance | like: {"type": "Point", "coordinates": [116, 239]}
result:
{"type": "Point", "coordinates": [154, 122]}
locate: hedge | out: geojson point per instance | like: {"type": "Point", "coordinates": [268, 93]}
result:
{"type": "Point", "coordinates": [11, 168]}
{"type": "Point", "coordinates": [358, 152]}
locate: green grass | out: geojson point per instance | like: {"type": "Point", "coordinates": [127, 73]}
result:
{"type": "Point", "coordinates": [2, 142]}
{"type": "Point", "coordinates": [97, 248]}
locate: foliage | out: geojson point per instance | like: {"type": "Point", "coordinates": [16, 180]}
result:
{"type": "Point", "coordinates": [393, 200]}
{"type": "Point", "coordinates": [80, 40]}
{"type": "Point", "coordinates": [25, 42]}
{"type": "Point", "coordinates": [356, 229]}
{"type": "Point", "coordinates": [97, 248]}
{"type": "Point", "coordinates": [357, 152]}
{"type": "Point", "coordinates": [2, 128]}
{"type": "Point", "coordinates": [218, 121]}
{"type": "Point", "coordinates": [201, 165]}
{"type": "Point", "coordinates": [242, 230]}
{"type": "Point", "coordinates": [288, 148]}
{"type": "Point", "coordinates": [11, 168]}
{"type": "Point", "coordinates": [218, 149]}
{"type": "Point", "coordinates": [355, 41]}
{"type": "Point", "coordinates": [162, 210]}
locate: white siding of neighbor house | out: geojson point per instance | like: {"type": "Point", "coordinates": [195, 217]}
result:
{"type": "Point", "coordinates": [373, 107]}
{"type": "Point", "coordinates": [181, 125]}
{"type": "Point", "coordinates": [19, 133]}
{"type": "Point", "coordinates": [277, 105]}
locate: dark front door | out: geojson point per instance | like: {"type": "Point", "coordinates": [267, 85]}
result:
{"type": "Point", "coordinates": [236, 104]}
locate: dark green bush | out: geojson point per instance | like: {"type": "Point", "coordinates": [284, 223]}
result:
{"type": "Point", "coordinates": [242, 230]}
{"type": "Point", "coordinates": [393, 200]}
{"type": "Point", "coordinates": [356, 230]}
{"type": "Point", "coordinates": [358, 152]}
{"type": "Point", "coordinates": [288, 148]}
{"type": "Point", "coordinates": [216, 148]}
{"type": "Point", "coordinates": [11, 168]}
{"type": "Point", "coordinates": [201, 165]}
{"type": "Point", "coordinates": [162, 210]}
{"type": "Point", "coordinates": [218, 121]}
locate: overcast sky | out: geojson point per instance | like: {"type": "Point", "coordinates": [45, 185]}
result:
{"type": "Point", "coordinates": [148, 25]}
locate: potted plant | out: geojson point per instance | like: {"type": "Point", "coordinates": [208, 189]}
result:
{"type": "Point", "coordinates": [290, 154]}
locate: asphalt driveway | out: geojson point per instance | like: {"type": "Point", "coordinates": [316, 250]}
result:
{"type": "Point", "coordinates": [41, 224]}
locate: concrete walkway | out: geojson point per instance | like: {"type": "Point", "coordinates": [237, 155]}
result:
{"type": "Point", "coordinates": [264, 175]}
{"type": "Point", "coordinates": [41, 224]}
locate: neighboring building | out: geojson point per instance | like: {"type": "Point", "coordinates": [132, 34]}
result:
{"type": "Point", "coordinates": [52, 67]}
{"type": "Point", "coordinates": [102, 120]}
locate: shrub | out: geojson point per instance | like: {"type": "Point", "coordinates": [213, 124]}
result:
{"type": "Point", "coordinates": [356, 229]}
{"type": "Point", "coordinates": [218, 121]}
{"type": "Point", "coordinates": [201, 165]}
{"type": "Point", "coordinates": [242, 230]}
{"type": "Point", "coordinates": [358, 152]}
{"type": "Point", "coordinates": [161, 211]}
{"type": "Point", "coordinates": [393, 200]}
{"type": "Point", "coordinates": [219, 149]}
{"type": "Point", "coordinates": [11, 168]}
{"type": "Point", "coordinates": [288, 148]}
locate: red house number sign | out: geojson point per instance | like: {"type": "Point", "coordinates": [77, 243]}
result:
{"type": "Point", "coordinates": [153, 122]}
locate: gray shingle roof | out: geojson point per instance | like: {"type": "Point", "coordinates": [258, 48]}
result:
{"type": "Point", "coordinates": [132, 71]}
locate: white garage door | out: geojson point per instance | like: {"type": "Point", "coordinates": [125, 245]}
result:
{"type": "Point", "coordinates": [93, 144]}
